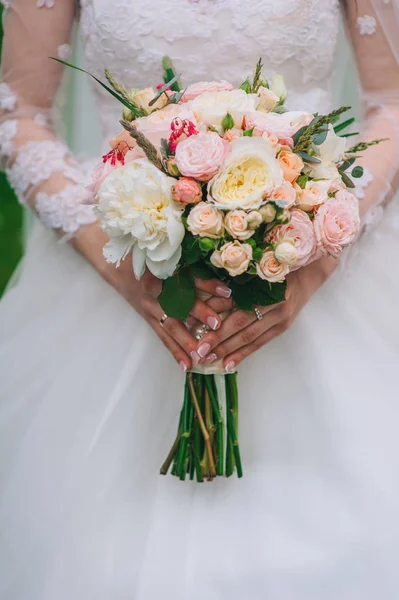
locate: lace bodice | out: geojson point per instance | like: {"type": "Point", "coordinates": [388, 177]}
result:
{"type": "Point", "coordinates": [206, 39]}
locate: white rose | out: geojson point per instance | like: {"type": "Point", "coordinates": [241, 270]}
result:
{"type": "Point", "coordinates": [242, 225]}
{"type": "Point", "coordinates": [211, 107]}
{"type": "Point", "coordinates": [249, 172]}
{"type": "Point", "coordinates": [205, 220]}
{"type": "Point", "coordinates": [333, 148]}
{"type": "Point", "coordinates": [270, 269]}
{"type": "Point", "coordinates": [324, 170]}
{"type": "Point", "coordinates": [286, 253]}
{"type": "Point", "coordinates": [267, 99]}
{"type": "Point", "coordinates": [314, 194]}
{"type": "Point", "coordinates": [234, 257]}
{"type": "Point", "coordinates": [138, 213]}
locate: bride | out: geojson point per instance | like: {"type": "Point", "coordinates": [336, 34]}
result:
{"type": "Point", "coordinates": [85, 416]}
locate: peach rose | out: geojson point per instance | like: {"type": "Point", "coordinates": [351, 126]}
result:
{"type": "Point", "coordinates": [187, 191]}
{"type": "Point", "coordinates": [158, 124]}
{"type": "Point", "coordinates": [291, 164]}
{"type": "Point", "coordinates": [336, 224]}
{"type": "Point", "coordinates": [300, 231]}
{"type": "Point", "coordinates": [234, 257]}
{"type": "Point", "coordinates": [284, 125]}
{"type": "Point", "coordinates": [240, 224]}
{"type": "Point", "coordinates": [200, 156]}
{"type": "Point", "coordinates": [284, 195]}
{"type": "Point", "coordinates": [270, 269]}
{"type": "Point", "coordinates": [314, 194]}
{"type": "Point", "coordinates": [205, 220]}
{"type": "Point", "coordinates": [196, 89]}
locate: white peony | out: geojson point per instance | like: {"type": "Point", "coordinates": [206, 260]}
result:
{"type": "Point", "coordinates": [139, 215]}
{"type": "Point", "coordinates": [249, 172]}
{"type": "Point", "coordinates": [211, 107]}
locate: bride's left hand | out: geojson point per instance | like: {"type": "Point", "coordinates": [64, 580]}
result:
{"type": "Point", "coordinates": [242, 333]}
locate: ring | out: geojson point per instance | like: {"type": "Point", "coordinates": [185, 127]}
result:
{"type": "Point", "coordinates": [259, 315]}
{"type": "Point", "coordinates": [163, 319]}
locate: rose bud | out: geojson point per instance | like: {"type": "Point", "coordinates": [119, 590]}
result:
{"type": "Point", "coordinates": [286, 253]}
{"type": "Point", "coordinates": [187, 191]}
{"type": "Point", "coordinates": [268, 212]}
{"type": "Point", "coordinates": [172, 167]}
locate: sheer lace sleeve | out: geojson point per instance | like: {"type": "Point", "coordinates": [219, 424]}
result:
{"type": "Point", "coordinates": [374, 30]}
{"type": "Point", "coordinates": [38, 164]}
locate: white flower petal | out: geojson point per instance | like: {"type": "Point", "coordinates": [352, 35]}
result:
{"type": "Point", "coordinates": [117, 249]}
{"type": "Point", "coordinates": [138, 261]}
{"type": "Point", "coordinates": [164, 268]}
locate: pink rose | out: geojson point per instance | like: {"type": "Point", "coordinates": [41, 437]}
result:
{"type": "Point", "coordinates": [205, 220]}
{"type": "Point", "coordinates": [234, 257]}
{"type": "Point", "coordinates": [200, 156]}
{"type": "Point", "coordinates": [270, 269]}
{"type": "Point", "coordinates": [187, 191]}
{"type": "Point", "coordinates": [158, 124]}
{"type": "Point", "coordinates": [196, 89]}
{"type": "Point", "coordinates": [271, 138]}
{"type": "Point", "coordinates": [284, 125]}
{"type": "Point", "coordinates": [284, 195]}
{"type": "Point", "coordinates": [300, 231]}
{"type": "Point", "coordinates": [314, 194]}
{"type": "Point", "coordinates": [336, 223]}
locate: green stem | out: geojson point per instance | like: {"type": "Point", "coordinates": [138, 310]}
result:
{"type": "Point", "coordinates": [185, 433]}
{"type": "Point", "coordinates": [232, 419]}
{"type": "Point", "coordinates": [209, 380]}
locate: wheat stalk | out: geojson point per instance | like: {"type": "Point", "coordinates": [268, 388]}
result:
{"type": "Point", "coordinates": [148, 148]}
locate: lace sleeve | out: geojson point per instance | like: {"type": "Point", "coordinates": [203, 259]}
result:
{"type": "Point", "coordinates": [374, 31]}
{"type": "Point", "coordinates": [38, 164]}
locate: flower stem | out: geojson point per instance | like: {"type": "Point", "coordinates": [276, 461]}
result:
{"type": "Point", "coordinates": [232, 419]}
{"type": "Point", "coordinates": [202, 425]}
{"type": "Point", "coordinates": [220, 424]}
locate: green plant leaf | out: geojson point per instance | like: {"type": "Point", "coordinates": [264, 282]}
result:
{"type": "Point", "coordinates": [178, 294]}
{"type": "Point", "coordinates": [357, 172]}
{"type": "Point", "coordinates": [302, 180]}
{"type": "Point", "coordinates": [170, 73]}
{"type": "Point", "coordinates": [106, 87]}
{"type": "Point", "coordinates": [202, 270]}
{"type": "Point", "coordinates": [299, 133]}
{"type": "Point", "coordinates": [257, 292]}
{"type": "Point", "coordinates": [306, 157]}
{"type": "Point", "coordinates": [191, 252]}
{"type": "Point", "coordinates": [347, 163]}
{"type": "Point", "coordinates": [347, 180]}
{"type": "Point", "coordinates": [344, 125]}
{"type": "Point", "coordinates": [320, 137]}
{"type": "Point", "coordinates": [163, 89]}
{"type": "Point", "coordinates": [227, 122]}
{"type": "Point", "coordinates": [248, 132]}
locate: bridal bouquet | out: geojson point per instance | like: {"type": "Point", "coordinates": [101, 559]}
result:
{"type": "Point", "coordinates": [221, 182]}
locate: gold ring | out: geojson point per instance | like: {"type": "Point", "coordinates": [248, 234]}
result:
{"type": "Point", "coordinates": [258, 314]}
{"type": "Point", "coordinates": [163, 319]}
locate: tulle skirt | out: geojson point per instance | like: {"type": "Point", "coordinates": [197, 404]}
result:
{"type": "Point", "coordinates": [89, 402]}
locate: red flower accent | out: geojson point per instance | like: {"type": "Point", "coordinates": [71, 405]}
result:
{"type": "Point", "coordinates": [180, 128]}
{"type": "Point", "coordinates": [117, 154]}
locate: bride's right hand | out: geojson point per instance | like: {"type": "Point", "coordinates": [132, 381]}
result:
{"type": "Point", "coordinates": [143, 294]}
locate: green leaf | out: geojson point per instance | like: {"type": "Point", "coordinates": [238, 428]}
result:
{"type": "Point", "coordinates": [191, 252]}
{"type": "Point", "coordinates": [308, 158]}
{"type": "Point", "coordinates": [299, 133]}
{"type": "Point", "coordinates": [242, 295]}
{"type": "Point", "coordinates": [344, 125]}
{"type": "Point", "coordinates": [228, 122]}
{"type": "Point", "coordinates": [347, 163]}
{"type": "Point", "coordinates": [202, 271]}
{"type": "Point", "coordinates": [246, 86]}
{"type": "Point", "coordinates": [163, 89]}
{"type": "Point", "coordinates": [302, 180]}
{"type": "Point", "coordinates": [346, 135]}
{"type": "Point", "coordinates": [357, 172]}
{"type": "Point", "coordinates": [320, 137]}
{"type": "Point", "coordinates": [170, 73]}
{"type": "Point", "coordinates": [257, 292]}
{"type": "Point", "coordinates": [347, 180]}
{"type": "Point", "coordinates": [248, 132]}
{"type": "Point", "coordinates": [176, 97]}
{"type": "Point", "coordinates": [178, 294]}
{"type": "Point", "coordinates": [106, 87]}
{"type": "Point", "coordinates": [257, 253]}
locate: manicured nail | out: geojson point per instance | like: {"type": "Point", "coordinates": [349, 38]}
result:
{"type": "Point", "coordinates": [230, 367]}
{"type": "Point", "coordinates": [211, 358]}
{"type": "Point", "coordinates": [213, 322]}
{"type": "Point", "coordinates": [204, 349]}
{"type": "Point", "coordinates": [195, 357]}
{"type": "Point", "coordinates": [223, 290]}
{"type": "Point", "coordinates": [183, 366]}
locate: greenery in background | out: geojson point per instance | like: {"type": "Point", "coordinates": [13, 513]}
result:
{"type": "Point", "coordinates": [11, 222]}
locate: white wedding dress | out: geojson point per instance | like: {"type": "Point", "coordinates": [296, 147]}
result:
{"type": "Point", "coordinates": [89, 397]}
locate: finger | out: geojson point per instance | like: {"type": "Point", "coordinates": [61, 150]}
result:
{"type": "Point", "coordinates": [178, 352]}
{"type": "Point", "coordinates": [176, 329]}
{"type": "Point", "coordinates": [205, 314]}
{"type": "Point", "coordinates": [220, 305]}
{"type": "Point", "coordinates": [247, 335]}
{"type": "Point", "coordinates": [214, 287]}
{"type": "Point", "coordinates": [234, 359]}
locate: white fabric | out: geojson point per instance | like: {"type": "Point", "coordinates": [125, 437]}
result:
{"type": "Point", "coordinates": [89, 398]}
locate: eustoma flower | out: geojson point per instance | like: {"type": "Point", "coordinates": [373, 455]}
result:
{"type": "Point", "coordinates": [139, 215]}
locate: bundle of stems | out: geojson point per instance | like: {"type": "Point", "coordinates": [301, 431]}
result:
{"type": "Point", "coordinates": [206, 445]}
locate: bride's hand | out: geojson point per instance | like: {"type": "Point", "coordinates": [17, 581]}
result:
{"type": "Point", "coordinates": [143, 294]}
{"type": "Point", "coordinates": [242, 333]}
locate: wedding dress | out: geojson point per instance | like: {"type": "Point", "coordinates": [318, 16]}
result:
{"type": "Point", "coordinates": [89, 397]}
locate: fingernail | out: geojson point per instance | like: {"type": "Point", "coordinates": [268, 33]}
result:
{"type": "Point", "coordinates": [183, 366]}
{"type": "Point", "coordinates": [204, 349]}
{"type": "Point", "coordinates": [195, 357]}
{"type": "Point", "coordinates": [230, 367]}
{"type": "Point", "coordinates": [211, 358]}
{"type": "Point", "coordinates": [213, 322]}
{"type": "Point", "coordinates": [223, 290]}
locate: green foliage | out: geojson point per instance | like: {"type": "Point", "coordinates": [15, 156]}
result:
{"type": "Point", "coordinates": [246, 86]}
{"type": "Point", "coordinates": [169, 73]}
{"type": "Point", "coordinates": [191, 252]}
{"type": "Point", "coordinates": [302, 180]}
{"type": "Point", "coordinates": [227, 122]}
{"type": "Point", "coordinates": [248, 132]}
{"type": "Point", "coordinates": [202, 270]}
{"type": "Point", "coordinates": [178, 294]}
{"type": "Point", "coordinates": [164, 88]}
{"type": "Point", "coordinates": [347, 180]}
{"type": "Point", "coordinates": [256, 293]}
{"type": "Point", "coordinates": [257, 80]}
{"type": "Point", "coordinates": [316, 131]}
{"type": "Point", "coordinates": [357, 172]}
{"type": "Point", "coordinates": [362, 146]}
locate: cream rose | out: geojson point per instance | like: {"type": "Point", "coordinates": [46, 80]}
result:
{"type": "Point", "coordinates": [291, 164]}
{"type": "Point", "coordinates": [284, 125]}
{"type": "Point", "coordinates": [267, 99]}
{"type": "Point", "coordinates": [242, 225]}
{"type": "Point", "coordinates": [284, 195]}
{"type": "Point", "coordinates": [300, 231]}
{"type": "Point", "coordinates": [201, 155]}
{"type": "Point", "coordinates": [234, 257]}
{"type": "Point", "coordinates": [205, 220]}
{"type": "Point", "coordinates": [211, 107]}
{"type": "Point", "coordinates": [138, 213]}
{"type": "Point", "coordinates": [336, 223]}
{"type": "Point", "coordinates": [314, 194]}
{"type": "Point", "coordinates": [196, 89]}
{"type": "Point", "coordinates": [270, 269]}
{"type": "Point", "coordinates": [286, 253]}
{"type": "Point", "coordinates": [250, 171]}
